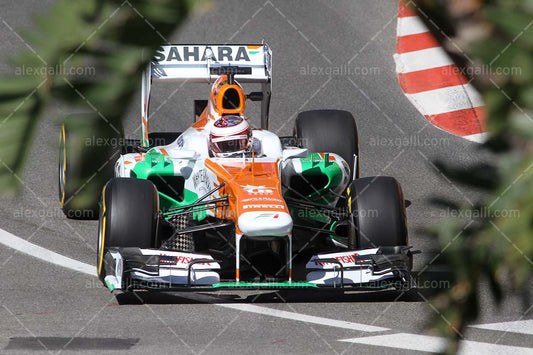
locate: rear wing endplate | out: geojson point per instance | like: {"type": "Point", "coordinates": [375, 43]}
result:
{"type": "Point", "coordinates": [192, 63]}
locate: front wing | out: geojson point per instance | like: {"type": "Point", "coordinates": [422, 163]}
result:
{"type": "Point", "coordinates": [134, 268]}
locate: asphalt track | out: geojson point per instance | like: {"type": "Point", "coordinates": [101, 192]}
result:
{"type": "Point", "coordinates": [49, 308]}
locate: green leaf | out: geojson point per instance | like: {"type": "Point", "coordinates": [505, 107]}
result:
{"type": "Point", "coordinates": [513, 22]}
{"type": "Point", "coordinates": [108, 36]}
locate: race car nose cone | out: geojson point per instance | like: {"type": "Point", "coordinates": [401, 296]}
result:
{"type": "Point", "coordinates": [267, 223]}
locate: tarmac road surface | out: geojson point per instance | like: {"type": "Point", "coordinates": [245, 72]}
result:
{"type": "Point", "coordinates": [325, 55]}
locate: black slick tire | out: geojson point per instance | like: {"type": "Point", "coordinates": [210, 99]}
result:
{"type": "Point", "coordinates": [378, 210]}
{"type": "Point", "coordinates": [88, 149]}
{"type": "Point", "coordinates": [128, 217]}
{"type": "Point", "coordinates": [332, 131]}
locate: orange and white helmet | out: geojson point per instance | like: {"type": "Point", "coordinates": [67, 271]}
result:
{"type": "Point", "coordinates": [229, 135]}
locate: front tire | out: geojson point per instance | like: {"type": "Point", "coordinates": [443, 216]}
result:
{"type": "Point", "coordinates": [128, 217]}
{"type": "Point", "coordinates": [377, 207]}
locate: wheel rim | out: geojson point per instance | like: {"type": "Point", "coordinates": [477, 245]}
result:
{"type": "Point", "coordinates": [99, 247]}
{"type": "Point", "coordinates": [101, 236]}
{"type": "Point", "coordinates": [62, 166]}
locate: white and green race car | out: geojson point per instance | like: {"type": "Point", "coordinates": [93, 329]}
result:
{"type": "Point", "coordinates": [199, 210]}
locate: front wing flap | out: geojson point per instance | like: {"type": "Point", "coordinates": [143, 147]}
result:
{"type": "Point", "coordinates": [128, 268]}
{"type": "Point", "coordinates": [375, 268]}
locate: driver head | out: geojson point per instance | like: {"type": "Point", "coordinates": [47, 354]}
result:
{"type": "Point", "coordinates": [229, 135]}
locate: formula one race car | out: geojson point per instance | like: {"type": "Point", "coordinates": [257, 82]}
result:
{"type": "Point", "coordinates": [224, 205]}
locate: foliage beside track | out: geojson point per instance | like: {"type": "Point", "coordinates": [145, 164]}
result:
{"type": "Point", "coordinates": [494, 41]}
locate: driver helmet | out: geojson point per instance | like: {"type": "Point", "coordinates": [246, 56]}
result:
{"type": "Point", "coordinates": [230, 135]}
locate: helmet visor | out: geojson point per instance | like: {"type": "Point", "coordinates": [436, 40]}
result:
{"type": "Point", "coordinates": [229, 144]}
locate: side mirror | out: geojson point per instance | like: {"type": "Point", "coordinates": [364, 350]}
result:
{"type": "Point", "coordinates": [293, 152]}
{"type": "Point", "coordinates": [255, 96]}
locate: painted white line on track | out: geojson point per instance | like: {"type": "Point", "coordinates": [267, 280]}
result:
{"type": "Point", "coordinates": [436, 344]}
{"type": "Point", "coordinates": [36, 251]}
{"type": "Point", "coordinates": [411, 25]}
{"type": "Point", "coordinates": [304, 318]}
{"type": "Point", "coordinates": [281, 314]}
{"type": "Point", "coordinates": [23, 246]}
{"type": "Point", "coordinates": [420, 60]}
{"type": "Point", "coordinates": [520, 326]}
{"type": "Point", "coordinates": [448, 99]}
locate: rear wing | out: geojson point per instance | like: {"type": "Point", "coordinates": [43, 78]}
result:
{"type": "Point", "coordinates": [192, 63]}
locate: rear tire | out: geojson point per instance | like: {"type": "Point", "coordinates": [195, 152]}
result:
{"type": "Point", "coordinates": [88, 149]}
{"type": "Point", "coordinates": [378, 210]}
{"type": "Point", "coordinates": [329, 131]}
{"type": "Point", "coordinates": [128, 217]}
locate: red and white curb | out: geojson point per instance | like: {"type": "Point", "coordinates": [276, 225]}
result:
{"type": "Point", "coordinates": [433, 83]}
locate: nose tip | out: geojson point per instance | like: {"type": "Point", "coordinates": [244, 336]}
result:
{"type": "Point", "coordinates": [267, 223]}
